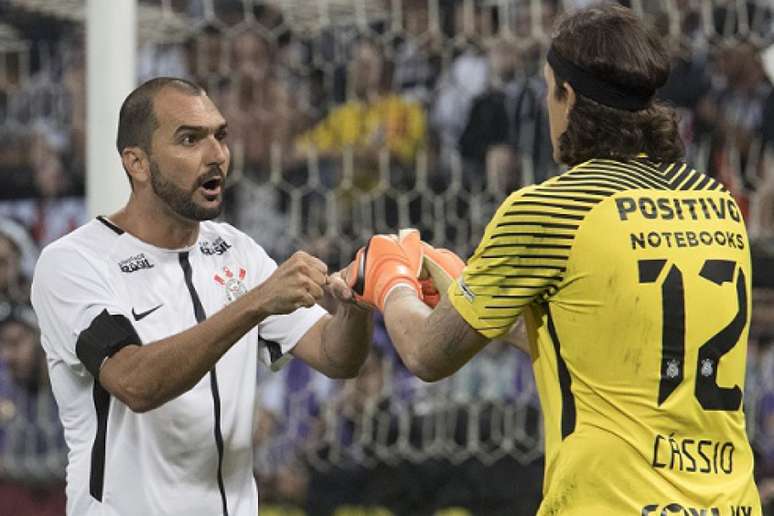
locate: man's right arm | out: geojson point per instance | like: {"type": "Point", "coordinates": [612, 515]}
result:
{"type": "Point", "coordinates": [145, 377]}
{"type": "Point", "coordinates": [148, 375]}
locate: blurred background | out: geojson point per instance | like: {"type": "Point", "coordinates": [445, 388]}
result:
{"type": "Point", "coordinates": [349, 117]}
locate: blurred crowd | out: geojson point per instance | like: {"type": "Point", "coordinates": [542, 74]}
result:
{"type": "Point", "coordinates": [422, 116]}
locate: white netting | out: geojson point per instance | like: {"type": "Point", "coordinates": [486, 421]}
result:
{"type": "Point", "coordinates": [350, 117]}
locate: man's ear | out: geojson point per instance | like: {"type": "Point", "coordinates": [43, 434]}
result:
{"type": "Point", "coordinates": [136, 164]}
{"type": "Point", "coordinates": [569, 95]}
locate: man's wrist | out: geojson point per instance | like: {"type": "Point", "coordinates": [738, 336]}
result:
{"type": "Point", "coordinates": [256, 305]}
{"type": "Point", "coordinates": [400, 290]}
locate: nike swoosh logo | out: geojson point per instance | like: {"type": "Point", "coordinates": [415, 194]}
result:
{"type": "Point", "coordinates": [146, 313]}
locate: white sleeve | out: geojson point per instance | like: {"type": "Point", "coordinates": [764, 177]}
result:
{"type": "Point", "coordinates": [68, 293]}
{"type": "Point", "coordinates": [278, 334]}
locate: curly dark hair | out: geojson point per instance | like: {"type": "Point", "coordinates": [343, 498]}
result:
{"type": "Point", "coordinates": [612, 43]}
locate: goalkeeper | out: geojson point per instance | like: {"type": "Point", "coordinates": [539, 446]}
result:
{"type": "Point", "coordinates": [632, 272]}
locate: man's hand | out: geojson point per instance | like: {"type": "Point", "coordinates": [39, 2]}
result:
{"type": "Point", "coordinates": [297, 282]}
{"type": "Point", "coordinates": [336, 292]}
{"type": "Point", "coordinates": [378, 268]}
{"type": "Point", "coordinates": [435, 268]}
{"type": "Point", "coordinates": [441, 267]}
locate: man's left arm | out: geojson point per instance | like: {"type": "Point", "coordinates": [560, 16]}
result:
{"type": "Point", "coordinates": [433, 343]}
{"type": "Point", "coordinates": [337, 345]}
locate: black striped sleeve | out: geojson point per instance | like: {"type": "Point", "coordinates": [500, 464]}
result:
{"type": "Point", "coordinates": [523, 254]}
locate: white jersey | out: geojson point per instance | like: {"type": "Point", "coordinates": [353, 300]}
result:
{"type": "Point", "coordinates": [193, 455]}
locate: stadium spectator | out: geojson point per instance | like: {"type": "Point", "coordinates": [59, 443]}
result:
{"type": "Point", "coordinates": [354, 139]}
{"type": "Point", "coordinates": [57, 206]}
{"type": "Point", "coordinates": [611, 317]}
{"type": "Point", "coordinates": [259, 105]}
{"type": "Point", "coordinates": [153, 321]}
{"type": "Point", "coordinates": [416, 56]}
{"type": "Point", "coordinates": [507, 126]}
{"type": "Point", "coordinates": [690, 82]}
{"type": "Point", "coordinates": [373, 118]}
{"type": "Point", "coordinates": [17, 258]}
{"type": "Point", "coordinates": [739, 99]}
{"type": "Point", "coordinates": [462, 82]}
{"type": "Point", "coordinates": [32, 449]}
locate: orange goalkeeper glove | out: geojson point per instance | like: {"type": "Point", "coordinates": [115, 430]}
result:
{"type": "Point", "coordinates": [379, 267]}
{"type": "Point", "coordinates": [436, 267]}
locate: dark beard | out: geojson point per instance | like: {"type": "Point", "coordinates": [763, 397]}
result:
{"type": "Point", "coordinates": [178, 200]}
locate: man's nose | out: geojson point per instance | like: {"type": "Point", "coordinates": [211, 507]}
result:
{"type": "Point", "coordinates": [217, 152]}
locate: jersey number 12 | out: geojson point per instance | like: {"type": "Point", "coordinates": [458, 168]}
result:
{"type": "Point", "coordinates": [708, 393]}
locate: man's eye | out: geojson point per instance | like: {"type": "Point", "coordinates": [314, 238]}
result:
{"type": "Point", "coordinates": [188, 139]}
{"type": "Point", "coordinates": [221, 135]}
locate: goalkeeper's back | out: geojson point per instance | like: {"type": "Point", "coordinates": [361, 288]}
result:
{"type": "Point", "coordinates": [633, 273]}
{"type": "Point", "coordinates": [639, 349]}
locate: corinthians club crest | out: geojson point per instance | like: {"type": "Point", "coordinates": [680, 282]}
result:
{"type": "Point", "coordinates": [232, 283]}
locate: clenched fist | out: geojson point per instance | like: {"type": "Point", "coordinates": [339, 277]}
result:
{"type": "Point", "coordinates": [297, 282]}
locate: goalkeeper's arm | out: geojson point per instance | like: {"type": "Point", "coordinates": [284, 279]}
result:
{"type": "Point", "coordinates": [433, 343]}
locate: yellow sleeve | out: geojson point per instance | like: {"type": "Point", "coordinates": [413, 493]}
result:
{"type": "Point", "coordinates": [521, 259]}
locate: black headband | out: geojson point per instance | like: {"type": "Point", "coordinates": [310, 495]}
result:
{"type": "Point", "coordinates": [591, 86]}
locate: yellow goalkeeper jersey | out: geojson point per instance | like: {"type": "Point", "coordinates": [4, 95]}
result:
{"type": "Point", "coordinates": [634, 281]}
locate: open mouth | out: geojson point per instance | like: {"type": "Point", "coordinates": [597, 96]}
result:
{"type": "Point", "coordinates": [212, 186]}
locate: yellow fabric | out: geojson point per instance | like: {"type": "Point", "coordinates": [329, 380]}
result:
{"type": "Point", "coordinates": [390, 121]}
{"type": "Point", "coordinates": [635, 423]}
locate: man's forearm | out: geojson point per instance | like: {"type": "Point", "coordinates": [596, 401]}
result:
{"type": "Point", "coordinates": [346, 341]}
{"type": "Point", "coordinates": [432, 343]}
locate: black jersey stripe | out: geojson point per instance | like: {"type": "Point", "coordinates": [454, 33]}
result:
{"type": "Point", "coordinates": [547, 214]}
{"type": "Point", "coordinates": [631, 182]}
{"type": "Point", "coordinates": [540, 285]}
{"type": "Point", "coordinates": [695, 177]}
{"type": "Point", "coordinates": [669, 170]}
{"type": "Point", "coordinates": [472, 280]}
{"type": "Point", "coordinates": [110, 225]}
{"type": "Point", "coordinates": [701, 185]}
{"type": "Point", "coordinates": [616, 178]}
{"type": "Point", "coordinates": [553, 267]}
{"type": "Point", "coordinates": [512, 296]}
{"type": "Point", "coordinates": [528, 276]}
{"type": "Point", "coordinates": [636, 173]}
{"type": "Point", "coordinates": [604, 183]}
{"type": "Point", "coordinates": [530, 246]}
{"type": "Point", "coordinates": [648, 170]}
{"type": "Point", "coordinates": [559, 189]}
{"type": "Point", "coordinates": [496, 327]}
{"type": "Point", "coordinates": [274, 349]}
{"type": "Point", "coordinates": [553, 225]}
{"type": "Point", "coordinates": [560, 236]}
{"type": "Point", "coordinates": [717, 185]}
{"type": "Point", "coordinates": [680, 175]}
{"type": "Point", "coordinates": [105, 336]}
{"type": "Point", "coordinates": [565, 381]}
{"type": "Point", "coordinates": [550, 205]}
{"type": "Point", "coordinates": [589, 200]}
{"type": "Point", "coordinates": [101, 399]}
{"type": "Point", "coordinates": [200, 316]}
{"type": "Point", "coordinates": [527, 257]}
